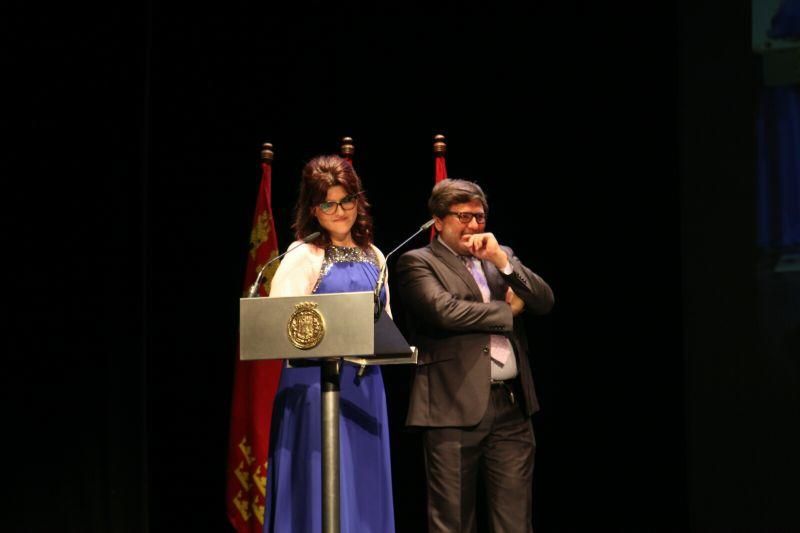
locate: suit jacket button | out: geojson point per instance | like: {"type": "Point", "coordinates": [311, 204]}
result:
{"type": "Point", "coordinates": [485, 349]}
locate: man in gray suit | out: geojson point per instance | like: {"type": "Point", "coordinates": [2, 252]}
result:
{"type": "Point", "coordinates": [472, 393]}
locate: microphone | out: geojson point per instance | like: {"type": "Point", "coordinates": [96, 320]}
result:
{"type": "Point", "coordinates": [254, 287]}
{"type": "Point", "coordinates": [382, 274]}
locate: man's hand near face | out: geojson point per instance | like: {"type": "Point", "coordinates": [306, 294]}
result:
{"type": "Point", "coordinates": [485, 246]}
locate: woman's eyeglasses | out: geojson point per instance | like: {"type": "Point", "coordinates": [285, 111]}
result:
{"type": "Point", "coordinates": [347, 203]}
{"type": "Point", "coordinates": [465, 217]}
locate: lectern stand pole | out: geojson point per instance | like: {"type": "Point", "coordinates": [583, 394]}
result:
{"type": "Point", "coordinates": [330, 445]}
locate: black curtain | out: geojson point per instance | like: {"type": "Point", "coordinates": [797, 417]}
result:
{"type": "Point", "coordinates": [133, 194]}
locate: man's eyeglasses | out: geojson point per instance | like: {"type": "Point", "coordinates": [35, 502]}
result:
{"type": "Point", "coordinates": [347, 203]}
{"type": "Point", "coordinates": [465, 217]}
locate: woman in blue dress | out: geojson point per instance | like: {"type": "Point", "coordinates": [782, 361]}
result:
{"type": "Point", "coordinates": [341, 259]}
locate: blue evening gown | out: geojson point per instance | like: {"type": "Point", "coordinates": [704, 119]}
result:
{"type": "Point", "coordinates": [294, 471]}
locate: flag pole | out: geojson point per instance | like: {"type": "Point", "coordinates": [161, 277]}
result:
{"type": "Point", "coordinates": [266, 153]}
{"type": "Point", "coordinates": [347, 149]}
{"type": "Point", "coordinates": [439, 145]}
{"type": "Point", "coordinates": [440, 166]}
{"type": "Point", "coordinates": [255, 382]}
{"type": "Point", "coordinates": [330, 376]}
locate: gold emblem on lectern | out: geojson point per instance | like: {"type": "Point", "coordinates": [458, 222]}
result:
{"type": "Point", "coordinates": [306, 326]}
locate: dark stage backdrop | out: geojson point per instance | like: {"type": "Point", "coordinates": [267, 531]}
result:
{"type": "Point", "coordinates": [574, 144]}
{"type": "Point", "coordinates": [142, 176]}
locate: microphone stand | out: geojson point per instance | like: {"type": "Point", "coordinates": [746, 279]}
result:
{"type": "Point", "coordinates": [382, 273]}
{"type": "Point", "coordinates": [254, 287]}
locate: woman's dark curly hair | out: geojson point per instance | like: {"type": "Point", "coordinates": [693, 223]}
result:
{"type": "Point", "coordinates": [319, 175]}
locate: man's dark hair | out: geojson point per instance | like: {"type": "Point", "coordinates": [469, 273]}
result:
{"type": "Point", "coordinates": [452, 191]}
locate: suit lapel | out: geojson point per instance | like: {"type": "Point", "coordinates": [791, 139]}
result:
{"type": "Point", "coordinates": [497, 285]}
{"type": "Point", "coordinates": [459, 268]}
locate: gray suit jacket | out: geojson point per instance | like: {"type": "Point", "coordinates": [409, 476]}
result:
{"type": "Point", "coordinates": [450, 325]}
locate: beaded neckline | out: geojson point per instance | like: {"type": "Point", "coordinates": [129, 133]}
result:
{"type": "Point", "coordinates": [345, 254]}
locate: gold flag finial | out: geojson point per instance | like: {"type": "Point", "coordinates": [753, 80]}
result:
{"type": "Point", "coordinates": [439, 145]}
{"type": "Point", "coordinates": [347, 148]}
{"type": "Point", "coordinates": [266, 153]}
